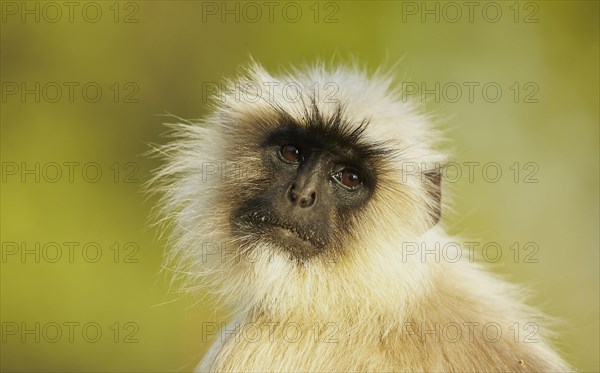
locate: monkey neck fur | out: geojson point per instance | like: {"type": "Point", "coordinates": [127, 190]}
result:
{"type": "Point", "coordinates": [379, 282]}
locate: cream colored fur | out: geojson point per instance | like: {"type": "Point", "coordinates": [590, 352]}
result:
{"type": "Point", "coordinates": [378, 307]}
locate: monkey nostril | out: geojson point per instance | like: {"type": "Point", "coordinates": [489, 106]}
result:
{"type": "Point", "coordinates": [308, 201]}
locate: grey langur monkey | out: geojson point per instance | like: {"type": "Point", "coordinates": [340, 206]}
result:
{"type": "Point", "coordinates": [304, 188]}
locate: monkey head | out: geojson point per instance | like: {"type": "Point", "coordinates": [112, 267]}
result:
{"type": "Point", "coordinates": [319, 171]}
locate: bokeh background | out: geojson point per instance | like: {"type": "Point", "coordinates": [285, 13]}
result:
{"type": "Point", "coordinates": [78, 255]}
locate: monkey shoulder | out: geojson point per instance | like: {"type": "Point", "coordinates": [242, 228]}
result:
{"type": "Point", "coordinates": [462, 325]}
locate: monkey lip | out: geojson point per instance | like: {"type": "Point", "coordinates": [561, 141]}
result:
{"type": "Point", "coordinates": [289, 232]}
{"type": "Point", "coordinates": [297, 245]}
{"type": "Point", "coordinates": [284, 230]}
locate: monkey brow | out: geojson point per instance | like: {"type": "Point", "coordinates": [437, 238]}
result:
{"type": "Point", "coordinates": [334, 129]}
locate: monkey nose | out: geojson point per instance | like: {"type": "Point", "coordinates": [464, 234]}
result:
{"type": "Point", "coordinates": [303, 197]}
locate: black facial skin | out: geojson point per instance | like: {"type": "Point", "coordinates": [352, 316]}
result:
{"type": "Point", "coordinates": [318, 177]}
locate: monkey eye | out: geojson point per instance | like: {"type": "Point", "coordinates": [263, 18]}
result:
{"type": "Point", "coordinates": [349, 178]}
{"type": "Point", "coordinates": [291, 153]}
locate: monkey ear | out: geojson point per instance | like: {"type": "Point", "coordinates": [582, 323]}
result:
{"type": "Point", "coordinates": [433, 180]}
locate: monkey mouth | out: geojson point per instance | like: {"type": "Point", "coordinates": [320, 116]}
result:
{"type": "Point", "coordinates": [285, 232]}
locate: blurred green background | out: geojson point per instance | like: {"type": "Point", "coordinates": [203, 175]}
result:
{"type": "Point", "coordinates": [151, 57]}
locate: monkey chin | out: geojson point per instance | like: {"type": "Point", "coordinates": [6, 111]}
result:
{"type": "Point", "coordinates": [296, 243]}
{"type": "Point", "coordinates": [292, 242]}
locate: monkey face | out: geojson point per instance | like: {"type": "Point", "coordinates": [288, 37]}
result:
{"type": "Point", "coordinates": [314, 178]}
{"type": "Point", "coordinates": [334, 184]}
